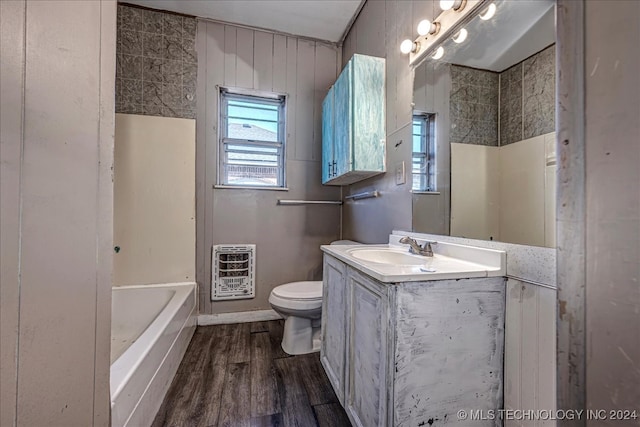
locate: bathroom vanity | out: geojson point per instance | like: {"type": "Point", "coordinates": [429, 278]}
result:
{"type": "Point", "coordinates": [409, 340]}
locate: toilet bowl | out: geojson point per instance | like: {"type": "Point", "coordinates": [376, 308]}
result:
{"type": "Point", "coordinates": [300, 304]}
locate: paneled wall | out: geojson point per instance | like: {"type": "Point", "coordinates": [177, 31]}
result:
{"type": "Point", "coordinates": [156, 63]}
{"type": "Point", "coordinates": [58, 68]}
{"type": "Point", "coordinates": [288, 238]}
{"type": "Point", "coordinates": [612, 153]}
{"type": "Point", "coordinates": [530, 350]}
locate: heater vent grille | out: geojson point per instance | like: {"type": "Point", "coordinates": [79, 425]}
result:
{"type": "Point", "coordinates": [233, 272]}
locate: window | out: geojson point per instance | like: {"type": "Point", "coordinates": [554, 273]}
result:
{"type": "Point", "coordinates": [252, 130]}
{"type": "Point", "coordinates": [423, 165]}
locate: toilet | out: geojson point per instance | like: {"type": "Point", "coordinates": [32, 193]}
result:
{"type": "Point", "coordinates": [300, 304]}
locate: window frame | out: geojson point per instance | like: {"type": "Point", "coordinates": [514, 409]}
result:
{"type": "Point", "coordinates": [426, 155]}
{"type": "Point", "coordinates": [225, 94]}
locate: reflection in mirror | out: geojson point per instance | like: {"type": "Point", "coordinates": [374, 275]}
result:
{"type": "Point", "coordinates": [491, 104]}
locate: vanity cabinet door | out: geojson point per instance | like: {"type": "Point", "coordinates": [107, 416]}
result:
{"type": "Point", "coordinates": [333, 350]}
{"type": "Point", "coordinates": [367, 351]}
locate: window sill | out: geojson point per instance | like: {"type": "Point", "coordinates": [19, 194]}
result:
{"type": "Point", "coordinates": [435, 193]}
{"type": "Point", "coordinates": [247, 187]}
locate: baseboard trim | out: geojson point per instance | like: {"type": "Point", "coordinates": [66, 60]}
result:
{"type": "Point", "coordinates": [238, 317]}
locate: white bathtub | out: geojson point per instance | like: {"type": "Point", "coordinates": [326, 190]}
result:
{"type": "Point", "coordinates": [151, 327]}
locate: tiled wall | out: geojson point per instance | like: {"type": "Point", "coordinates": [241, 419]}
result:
{"type": "Point", "coordinates": [156, 63]}
{"type": "Point", "coordinates": [474, 106]}
{"type": "Point", "coordinates": [526, 102]}
{"type": "Point", "coordinates": [527, 98]}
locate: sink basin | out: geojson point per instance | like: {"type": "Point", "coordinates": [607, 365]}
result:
{"type": "Point", "coordinates": [387, 256]}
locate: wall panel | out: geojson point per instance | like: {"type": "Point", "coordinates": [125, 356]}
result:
{"type": "Point", "coordinates": [12, 29]}
{"type": "Point", "coordinates": [57, 195]}
{"type": "Point", "coordinates": [288, 238]}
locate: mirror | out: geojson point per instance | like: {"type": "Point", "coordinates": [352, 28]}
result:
{"type": "Point", "coordinates": [484, 129]}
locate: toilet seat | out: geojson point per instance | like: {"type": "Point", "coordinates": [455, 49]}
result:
{"type": "Point", "coordinates": [297, 296]}
{"type": "Point", "coordinates": [299, 291]}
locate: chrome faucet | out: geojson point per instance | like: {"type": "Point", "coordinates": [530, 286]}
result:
{"type": "Point", "coordinates": [416, 249]}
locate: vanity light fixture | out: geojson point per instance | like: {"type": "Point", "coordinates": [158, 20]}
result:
{"type": "Point", "coordinates": [460, 36]}
{"type": "Point", "coordinates": [408, 46]}
{"type": "Point", "coordinates": [439, 53]}
{"type": "Point", "coordinates": [488, 12]}
{"type": "Point", "coordinates": [455, 14]}
{"type": "Point", "coordinates": [452, 4]}
{"type": "Point", "coordinates": [427, 27]}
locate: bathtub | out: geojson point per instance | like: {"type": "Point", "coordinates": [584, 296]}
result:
{"type": "Point", "coordinates": [151, 327]}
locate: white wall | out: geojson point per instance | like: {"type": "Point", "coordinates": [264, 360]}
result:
{"type": "Point", "coordinates": [522, 192]}
{"type": "Point", "coordinates": [505, 193]}
{"type": "Point", "coordinates": [288, 238]}
{"type": "Point", "coordinates": [475, 195]}
{"type": "Point", "coordinates": [154, 200]}
{"type": "Point", "coordinates": [56, 133]}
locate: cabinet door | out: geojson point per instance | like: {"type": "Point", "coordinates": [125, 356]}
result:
{"type": "Point", "coordinates": [342, 121]}
{"type": "Point", "coordinates": [332, 351]}
{"type": "Point", "coordinates": [327, 136]}
{"type": "Point", "coordinates": [367, 352]}
{"type": "Point", "coordinates": [369, 116]}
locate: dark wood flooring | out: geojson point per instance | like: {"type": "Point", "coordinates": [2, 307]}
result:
{"type": "Point", "coordinates": [238, 375]}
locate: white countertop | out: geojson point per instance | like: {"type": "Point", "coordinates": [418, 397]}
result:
{"type": "Point", "coordinates": [450, 261]}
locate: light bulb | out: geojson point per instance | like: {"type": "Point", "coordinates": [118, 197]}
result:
{"type": "Point", "coordinates": [460, 36]}
{"type": "Point", "coordinates": [447, 4]}
{"type": "Point", "coordinates": [439, 53]}
{"type": "Point", "coordinates": [407, 46]}
{"type": "Point", "coordinates": [424, 27]}
{"type": "Point", "coordinates": [489, 12]}
{"type": "Point", "coordinates": [427, 27]}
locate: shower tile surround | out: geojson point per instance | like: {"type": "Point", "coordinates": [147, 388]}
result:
{"type": "Point", "coordinates": [473, 106]}
{"type": "Point", "coordinates": [497, 109]}
{"type": "Point", "coordinates": [156, 63]}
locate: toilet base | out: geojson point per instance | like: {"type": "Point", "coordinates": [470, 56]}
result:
{"type": "Point", "coordinates": [301, 335]}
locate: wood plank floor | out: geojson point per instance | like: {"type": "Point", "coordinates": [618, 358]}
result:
{"type": "Point", "coordinates": [238, 375]}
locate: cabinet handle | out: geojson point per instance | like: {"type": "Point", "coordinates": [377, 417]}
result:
{"type": "Point", "coordinates": [335, 172]}
{"type": "Point", "coordinates": [330, 169]}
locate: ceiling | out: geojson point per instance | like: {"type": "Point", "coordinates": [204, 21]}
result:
{"type": "Point", "coordinates": [319, 19]}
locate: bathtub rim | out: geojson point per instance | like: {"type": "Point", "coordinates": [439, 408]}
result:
{"type": "Point", "coordinates": [142, 347]}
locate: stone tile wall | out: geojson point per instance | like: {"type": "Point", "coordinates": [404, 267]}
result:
{"type": "Point", "coordinates": [526, 103]}
{"type": "Point", "coordinates": [156, 63]}
{"type": "Point", "coordinates": [473, 106]}
{"type": "Point", "coordinates": [527, 98]}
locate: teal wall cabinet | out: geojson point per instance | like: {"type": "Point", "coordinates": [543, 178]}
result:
{"type": "Point", "coordinates": [353, 123]}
